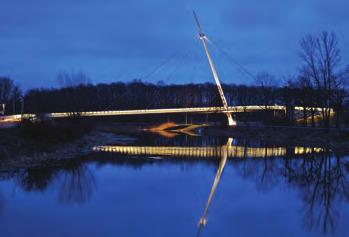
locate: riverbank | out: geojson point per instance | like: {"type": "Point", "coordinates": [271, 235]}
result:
{"type": "Point", "coordinates": [18, 151]}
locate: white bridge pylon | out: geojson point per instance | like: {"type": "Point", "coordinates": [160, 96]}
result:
{"type": "Point", "coordinates": [203, 38]}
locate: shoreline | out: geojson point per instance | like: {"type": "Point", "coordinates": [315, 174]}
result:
{"type": "Point", "coordinates": [20, 153]}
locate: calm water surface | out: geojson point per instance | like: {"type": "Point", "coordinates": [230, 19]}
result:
{"type": "Point", "coordinates": [274, 192]}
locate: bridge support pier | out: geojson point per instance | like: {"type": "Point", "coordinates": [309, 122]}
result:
{"type": "Point", "coordinates": [231, 121]}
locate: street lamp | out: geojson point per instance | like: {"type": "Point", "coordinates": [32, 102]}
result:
{"type": "Point", "coordinates": [2, 106]}
{"type": "Point", "coordinates": [21, 100]}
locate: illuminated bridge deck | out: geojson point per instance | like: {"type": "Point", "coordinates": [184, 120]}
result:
{"type": "Point", "coordinates": [232, 109]}
{"type": "Point", "coordinates": [207, 152]}
{"type": "Point", "coordinates": [207, 110]}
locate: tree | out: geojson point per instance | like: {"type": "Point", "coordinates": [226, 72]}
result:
{"type": "Point", "coordinates": [341, 94]}
{"type": "Point", "coordinates": [305, 97]}
{"type": "Point", "coordinates": [6, 89]}
{"type": "Point", "coordinates": [267, 84]}
{"type": "Point", "coordinates": [75, 90]}
{"type": "Point", "coordinates": [72, 79]}
{"type": "Point", "coordinates": [16, 99]}
{"type": "Point", "coordinates": [288, 97]}
{"type": "Point", "coordinates": [10, 94]}
{"type": "Point", "coordinates": [321, 58]}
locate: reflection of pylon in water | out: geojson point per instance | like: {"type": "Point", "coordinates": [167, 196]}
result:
{"type": "Point", "coordinates": [224, 156]}
{"type": "Point", "coordinates": [203, 39]}
{"type": "Point", "coordinates": [203, 221]}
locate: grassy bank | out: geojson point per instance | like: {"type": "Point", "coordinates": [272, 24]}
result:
{"type": "Point", "coordinates": [34, 143]}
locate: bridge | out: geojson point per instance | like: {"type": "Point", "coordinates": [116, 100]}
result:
{"type": "Point", "coordinates": [205, 110]}
{"type": "Point", "coordinates": [227, 110]}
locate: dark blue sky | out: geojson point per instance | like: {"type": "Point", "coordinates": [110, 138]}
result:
{"type": "Point", "coordinates": [115, 40]}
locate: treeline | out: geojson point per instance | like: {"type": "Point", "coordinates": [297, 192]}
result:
{"type": "Point", "coordinates": [141, 95]}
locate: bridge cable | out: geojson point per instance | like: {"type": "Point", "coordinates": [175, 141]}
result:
{"type": "Point", "coordinates": [161, 65]}
{"type": "Point", "coordinates": [177, 65]}
{"type": "Point", "coordinates": [155, 70]}
{"type": "Point", "coordinates": [232, 62]}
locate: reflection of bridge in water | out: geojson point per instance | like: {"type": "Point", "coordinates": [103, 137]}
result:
{"type": "Point", "coordinates": [223, 152]}
{"type": "Point", "coordinates": [208, 152]}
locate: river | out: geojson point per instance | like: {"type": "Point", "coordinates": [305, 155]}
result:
{"type": "Point", "coordinates": [182, 185]}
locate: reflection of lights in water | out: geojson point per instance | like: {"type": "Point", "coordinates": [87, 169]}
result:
{"type": "Point", "coordinates": [156, 157]}
{"type": "Point", "coordinates": [189, 152]}
{"type": "Point", "coordinates": [307, 150]}
{"type": "Point", "coordinates": [202, 221]}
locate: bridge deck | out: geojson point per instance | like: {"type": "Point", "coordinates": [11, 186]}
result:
{"type": "Point", "coordinates": [231, 109]}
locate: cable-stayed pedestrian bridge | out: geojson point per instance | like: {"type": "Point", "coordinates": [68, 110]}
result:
{"type": "Point", "coordinates": [198, 110]}
{"type": "Point", "coordinates": [225, 108]}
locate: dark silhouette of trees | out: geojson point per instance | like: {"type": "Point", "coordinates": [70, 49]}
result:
{"type": "Point", "coordinates": [287, 96]}
{"type": "Point", "coordinates": [72, 79]}
{"type": "Point", "coordinates": [78, 184]}
{"type": "Point", "coordinates": [267, 85]}
{"type": "Point", "coordinates": [35, 179]}
{"type": "Point", "coordinates": [306, 98]}
{"type": "Point", "coordinates": [142, 95]}
{"type": "Point", "coordinates": [321, 179]}
{"type": "Point", "coordinates": [10, 95]}
{"type": "Point", "coordinates": [321, 58]}
{"type": "Point", "coordinates": [340, 95]}
{"type": "Point", "coordinates": [6, 89]}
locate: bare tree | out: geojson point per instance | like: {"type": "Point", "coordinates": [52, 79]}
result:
{"type": "Point", "coordinates": [72, 79]}
{"type": "Point", "coordinates": [10, 94]}
{"type": "Point", "coordinates": [16, 99]}
{"type": "Point", "coordinates": [6, 89]}
{"type": "Point", "coordinates": [321, 57]}
{"type": "Point", "coordinates": [305, 98]}
{"type": "Point", "coordinates": [267, 84]}
{"type": "Point", "coordinates": [73, 85]}
{"type": "Point", "coordinates": [340, 94]}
